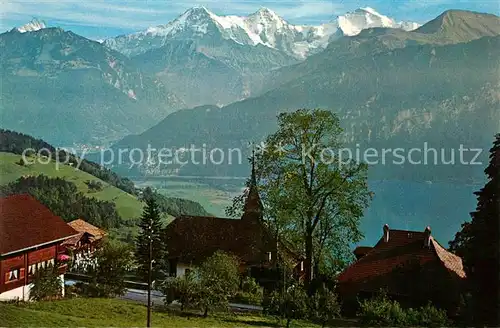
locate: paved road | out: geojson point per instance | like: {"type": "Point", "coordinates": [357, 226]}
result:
{"type": "Point", "coordinates": [141, 296]}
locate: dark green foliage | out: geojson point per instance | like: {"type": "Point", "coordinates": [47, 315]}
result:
{"type": "Point", "coordinates": [219, 278]}
{"type": "Point", "coordinates": [479, 246]}
{"type": "Point", "coordinates": [381, 311]}
{"type": "Point", "coordinates": [17, 143]}
{"type": "Point", "coordinates": [250, 293]}
{"type": "Point", "coordinates": [151, 229]}
{"type": "Point", "coordinates": [94, 185]}
{"type": "Point", "coordinates": [112, 263]}
{"type": "Point", "coordinates": [46, 285]}
{"type": "Point", "coordinates": [175, 206]}
{"type": "Point", "coordinates": [63, 199]}
{"type": "Point", "coordinates": [324, 306]}
{"type": "Point", "coordinates": [184, 289]}
{"type": "Point", "coordinates": [290, 305]}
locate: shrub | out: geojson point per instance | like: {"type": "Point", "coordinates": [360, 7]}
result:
{"type": "Point", "coordinates": [46, 284]}
{"type": "Point", "coordinates": [429, 316]}
{"type": "Point", "coordinates": [290, 305]}
{"type": "Point", "coordinates": [94, 185]}
{"type": "Point", "coordinates": [381, 311]}
{"type": "Point", "coordinates": [219, 278]}
{"type": "Point", "coordinates": [112, 262]}
{"type": "Point", "coordinates": [324, 307]}
{"type": "Point", "coordinates": [184, 289]}
{"type": "Point", "coordinates": [251, 292]}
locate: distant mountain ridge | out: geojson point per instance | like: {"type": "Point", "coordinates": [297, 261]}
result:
{"type": "Point", "coordinates": [227, 58]}
{"type": "Point", "coordinates": [95, 93]}
{"type": "Point", "coordinates": [451, 27]}
{"type": "Point", "coordinates": [445, 94]}
{"type": "Point", "coordinates": [263, 27]}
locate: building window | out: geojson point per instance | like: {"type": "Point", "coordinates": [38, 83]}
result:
{"type": "Point", "coordinates": [31, 269]}
{"type": "Point", "coordinates": [12, 275]}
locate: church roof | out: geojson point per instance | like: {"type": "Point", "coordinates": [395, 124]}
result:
{"type": "Point", "coordinates": [191, 239]}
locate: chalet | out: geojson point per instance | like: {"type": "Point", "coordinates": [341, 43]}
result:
{"type": "Point", "coordinates": [192, 239]}
{"type": "Point", "coordinates": [410, 266]}
{"type": "Point", "coordinates": [30, 239]}
{"type": "Point", "coordinates": [85, 243]}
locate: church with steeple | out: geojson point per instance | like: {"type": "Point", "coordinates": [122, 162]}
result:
{"type": "Point", "coordinates": [192, 239]}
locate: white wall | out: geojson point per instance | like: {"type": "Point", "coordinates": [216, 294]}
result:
{"type": "Point", "coordinates": [22, 293]}
{"type": "Point", "coordinates": [181, 269]}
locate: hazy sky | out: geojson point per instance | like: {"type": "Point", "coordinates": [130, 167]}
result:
{"type": "Point", "coordinates": [99, 19]}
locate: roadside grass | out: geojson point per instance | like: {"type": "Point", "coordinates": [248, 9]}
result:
{"type": "Point", "coordinates": [93, 312]}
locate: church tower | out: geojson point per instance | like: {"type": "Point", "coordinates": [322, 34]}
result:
{"type": "Point", "coordinates": [253, 208]}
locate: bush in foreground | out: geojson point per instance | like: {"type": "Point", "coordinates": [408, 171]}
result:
{"type": "Point", "coordinates": [381, 311]}
{"type": "Point", "coordinates": [46, 284]}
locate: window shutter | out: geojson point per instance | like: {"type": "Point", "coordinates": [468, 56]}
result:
{"type": "Point", "coordinates": [7, 276]}
{"type": "Point", "coordinates": [21, 276]}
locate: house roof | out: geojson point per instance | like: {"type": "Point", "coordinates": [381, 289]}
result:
{"type": "Point", "coordinates": [27, 223]}
{"type": "Point", "coordinates": [403, 246]}
{"type": "Point", "coordinates": [361, 251]}
{"type": "Point", "coordinates": [83, 226]}
{"type": "Point", "coordinates": [194, 238]}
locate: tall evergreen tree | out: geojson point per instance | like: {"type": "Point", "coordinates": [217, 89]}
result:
{"type": "Point", "coordinates": [151, 229]}
{"type": "Point", "coordinates": [478, 244]}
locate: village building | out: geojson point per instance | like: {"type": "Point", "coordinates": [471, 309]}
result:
{"type": "Point", "coordinates": [410, 266]}
{"type": "Point", "coordinates": [82, 246]}
{"type": "Point", "coordinates": [30, 239]}
{"type": "Point", "coordinates": [192, 239]}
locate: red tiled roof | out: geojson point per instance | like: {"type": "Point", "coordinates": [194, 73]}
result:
{"type": "Point", "coordinates": [194, 238]}
{"type": "Point", "coordinates": [25, 223]}
{"type": "Point", "coordinates": [403, 247]}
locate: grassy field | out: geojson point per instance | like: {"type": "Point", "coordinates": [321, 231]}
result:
{"type": "Point", "coordinates": [128, 206]}
{"type": "Point", "coordinates": [213, 200]}
{"type": "Point", "coordinates": [85, 312]}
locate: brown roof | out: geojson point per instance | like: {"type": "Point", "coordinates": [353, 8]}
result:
{"type": "Point", "coordinates": [26, 223]}
{"type": "Point", "coordinates": [361, 251]}
{"type": "Point", "coordinates": [83, 226]}
{"type": "Point", "coordinates": [194, 238]}
{"type": "Point", "coordinates": [403, 247]}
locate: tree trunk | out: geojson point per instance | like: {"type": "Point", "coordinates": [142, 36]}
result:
{"type": "Point", "coordinates": [288, 320]}
{"type": "Point", "coordinates": [205, 314]}
{"type": "Point", "coordinates": [308, 259]}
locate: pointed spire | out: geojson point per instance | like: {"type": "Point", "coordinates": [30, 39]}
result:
{"type": "Point", "coordinates": [253, 178]}
{"type": "Point", "coordinates": [253, 205]}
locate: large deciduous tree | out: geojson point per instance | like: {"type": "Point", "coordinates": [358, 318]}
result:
{"type": "Point", "coordinates": [313, 198]}
{"type": "Point", "coordinates": [478, 245]}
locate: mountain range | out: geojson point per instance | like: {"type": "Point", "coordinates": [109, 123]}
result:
{"type": "Point", "coordinates": [240, 70]}
{"type": "Point", "coordinates": [69, 89]}
{"type": "Point", "coordinates": [227, 58]}
{"type": "Point", "coordinates": [263, 27]}
{"type": "Point", "coordinates": [438, 84]}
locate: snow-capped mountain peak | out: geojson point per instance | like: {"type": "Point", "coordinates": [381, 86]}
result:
{"type": "Point", "coordinates": [363, 18]}
{"type": "Point", "coordinates": [33, 25]}
{"type": "Point", "coordinates": [263, 27]}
